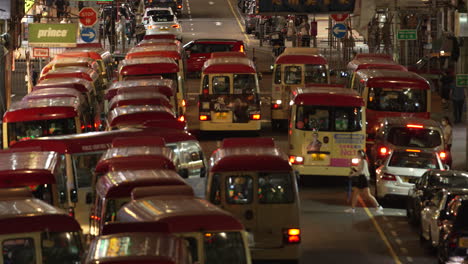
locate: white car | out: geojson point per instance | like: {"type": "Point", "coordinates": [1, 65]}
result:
{"type": "Point", "coordinates": [401, 169]}
{"type": "Point", "coordinates": [161, 20]}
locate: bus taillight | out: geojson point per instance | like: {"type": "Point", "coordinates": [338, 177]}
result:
{"type": "Point", "coordinates": [255, 117]}
{"type": "Point", "coordinates": [184, 103]}
{"type": "Point", "coordinates": [296, 160]}
{"type": "Point", "coordinates": [181, 118]}
{"type": "Point", "coordinates": [443, 155]}
{"type": "Point", "coordinates": [292, 236]}
{"type": "Point", "coordinates": [383, 151]}
{"type": "Point", "coordinates": [276, 104]}
{"type": "Point", "coordinates": [204, 118]}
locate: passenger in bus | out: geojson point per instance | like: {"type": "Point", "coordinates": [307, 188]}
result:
{"type": "Point", "coordinates": [221, 85]}
{"type": "Point", "coordinates": [240, 191]}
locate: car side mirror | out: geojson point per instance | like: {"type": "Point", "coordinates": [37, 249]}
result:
{"type": "Point", "coordinates": [73, 196]}
{"type": "Point", "coordinates": [89, 198]}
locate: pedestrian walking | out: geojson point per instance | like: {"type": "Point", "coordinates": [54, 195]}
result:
{"type": "Point", "coordinates": [447, 129]}
{"type": "Point", "coordinates": [457, 94]}
{"type": "Point", "coordinates": [359, 177]}
{"type": "Point", "coordinates": [60, 6]}
{"type": "Point", "coordinates": [291, 32]}
{"type": "Point", "coordinates": [446, 80]}
{"type": "Point", "coordinates": [304, 30]}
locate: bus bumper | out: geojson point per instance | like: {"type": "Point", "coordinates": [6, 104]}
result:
{"type": "Point", "coordinates": [289, 252]}
{"type": "Point", "coordinates": [211, 126]}
{"type": "Point", "coordinates": [322, 170]}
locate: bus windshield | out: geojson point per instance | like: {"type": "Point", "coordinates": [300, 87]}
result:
{"type": "Point", "coordinates": [328, 118]}
{"type": "Point", "coordinates": [315, 74]}
{"type": "Point", "coordinates": [224, 248]}
{"type": "Point", "coordinates": [414, 137]}
{"type": "Point", "coordinates": [397, 100]}
{"type": "Point", "coordinates": [61, 247]}
{"type": "Point", "coordinates": [245, 84]}
{"type": "Point", "coordinates": [21, 131]}
{"type": "Point", "coordinates": [83, 167]}
{"type": "Point", "coordinates": [292, 74]}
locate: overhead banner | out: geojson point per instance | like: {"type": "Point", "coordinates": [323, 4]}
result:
{"type": "Point", "coordinates": [305, 6]}
{"type": "Point", "coordinates": [52, 35]}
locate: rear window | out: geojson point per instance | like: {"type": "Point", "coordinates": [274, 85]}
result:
{"type": "Point", "coordinates": [158, 12]}
{"type": "Point", "coordinates": [414, 137]}
{"type": "Point", "coordinates": [414, 160]}
{"type": "Point", "coordinates": [275, 188]}
{"type": "Point", "coordinates": [209, 48]}
{"type": "Point", "coordinates": [163, 18]}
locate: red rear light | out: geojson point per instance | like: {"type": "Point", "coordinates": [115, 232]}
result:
{"type": "Point", "coordinates": [388, 177]}
{"type": "Point", "coordinates": [205, 91]}
{"type": "Point", "coordinates": [241, 48]}
{"type": "Point", "coordinates": [292, 236]}
{"type": "Point", "coordinates": [176, 26]}
{"type": "Point", "coordinates": [276, 106]}
{"type": "Point", "coordinates": [297, 160]}
{"type": "Point", "coordinates": [181, 118]}
{"type": "Point", "coordinates": [71, 212]}
{"type": "Point", "coordinates": [204, 118]}
{"type": "Point", "coordinates": [179, 6]}
{"type": "Point", "coordinates": [383, 151]}
{"type": "Point", "coordinates": [82, 128]}
{"type": "Point", "coordinates": [255, 117]}
{"type": "Point", "coordinates": [414, 126]}
{"type": "Point", "coordinates": [443, 155]}
{"type": "Point", "coordinates": [184, 103]}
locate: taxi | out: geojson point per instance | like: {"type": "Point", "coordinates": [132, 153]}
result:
{"type": "Point", "coordinates": [113, 190]}
{"type": "Point", "coordinates": [215, 235]}
{"type": "Point", "coordinates": [253, 179]}
{"type": "Point", "coordinates": [36, 232]}
{"type": "Point", "coordinates": [159, 36]}
{"type": "Point", "coordinates": [160, 248]}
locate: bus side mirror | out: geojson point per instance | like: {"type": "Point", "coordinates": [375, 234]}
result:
{"type": "Point", "coordinates": [89, 198]}
{"type": "Point", "coordinates": [73, 196]}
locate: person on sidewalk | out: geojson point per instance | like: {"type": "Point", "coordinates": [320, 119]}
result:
{"type": "Point", "coordinates": [447, 129]}
{"type": "Point", "coordinates": [457, 94]}
{"type": "Point", "coordinates": [446, 81]}
{"type": "Point", "coordinates": [360, 183]}
{"type": "Point", "coordinates": [304, 31]}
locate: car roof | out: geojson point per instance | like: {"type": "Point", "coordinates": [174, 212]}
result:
{"type": "Point", "coordinates": [218, 40]}
{"type": "Point", "coordinates": [403, 121]}
{"type": "Point", "coordinates": [449, 173]}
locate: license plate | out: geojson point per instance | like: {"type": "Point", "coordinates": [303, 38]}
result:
{"type": "Point", "coordinates": [221, 115]}
{"type": "Point", "coordinates": [404, 179]}
{"type": "Point", "coordinates": [318, 157]}
{"type": "Point", "coordinates": [164, 29]}
{"type": "Point", "coordinates": [463, 242]}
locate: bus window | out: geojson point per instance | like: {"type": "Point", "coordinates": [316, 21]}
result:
{"type": "Point", "coordinates": [347, 119]}
{"type": "Point", "coordinates": [224, 247]}
{"type": "Point", "coordinates": [221, 85]}
{"type": "Point", "coordinates": [33, 129]}
{"type": "Point", "coordinates": [215, 193]}
{"type": "Point", "coordinates": [293, 74]}
{"type": "Point", "coordinates": [206, 83]}
{"type": "Point", "coordinates": [112, 206]}
{"type": "Point", "coordinates": [397, 100]}
{"type": "Point", "coordinates": [239, 189]}
{"type": "Point", "coordinates": [19, 250]}
{"type": "Point", "coordinates": [192, 245]}
{"type": "Point", "coordinates": [275, 188]}
{"type": "Point", "coordinates": [244, 84]}
{"type": "Point", "coordinates": [315, 74]}
{"type": "Point", "coordinates": [61, 247]}
{"type": "Point", "coordinates": [323, 118]}
{"type": "Point", "coordinates": [313, 118]}
{"type": "Point", "coordinates": [83, 166]}
{"type": "Point", "coordinates": [277, 74]}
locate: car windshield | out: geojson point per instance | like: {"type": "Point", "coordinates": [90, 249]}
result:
{"type": "Point", "coordinates": [414, 137]}
{"type": "Point", "coordinates": [83, 166]}
{"type": "Point", "coordinates": [418, 160]}
{"type": "Point", "coordinates": [61, 247]}
{"type": "Point", "coordinates": [328, 118]}
{"type": "Point", "coordinates": [163, 18]}
{"type": "Point", "coordinates": [397, 100]}
{"type": "Point", "coordinates": [315, 74]}
{"type": "Point", "coordinates": [449, 181]}
{"type": "Point", "coordinates": [209, 48]}
{"type": "Point", "coordinates": [112, 206]}
{"type": "Point", "coordinates": [293, 75]}
{"type": "Point", "coordinates": [21, 131]}
{"type": "Point", "coordinates": [224, 248]}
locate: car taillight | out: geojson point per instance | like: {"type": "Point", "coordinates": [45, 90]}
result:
{"type": "Point", "coordinates": [453, 239]}
{"type": "Point", "coordinates": [292, 236]}
{"type": "Point", "coordinates": [176, 26]}
{"type": "Point", "coordinates": [146, 18]}
{"type": "Point", "coordinates": [383, 151]}
{"type": "Point", "coordinates": [241, 49]}
{"type": "Point", "coordinates": [297, 160]}
{"type": "Point", "coordinates": [388, 177]}
{"type": "Point", "coordinates": [255, 117]}
{"type": "Point", "coordinates": [71, 212]}
{"type": "Point", "coordinates": [442, 155]}
{"type": "Point", "coordinates": [205, 91]}
{"type": "Point", "coordinates": [414, 126]}
{"type": "Point", "coordinates": [181, 118]}
{"type": "Point", "coordinates": [204, 118]}
{"type": "Point", "coordinates": [179, 6]}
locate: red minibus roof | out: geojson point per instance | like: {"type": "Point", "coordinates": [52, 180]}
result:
{"type": "Point", "coordinates": [171, 124]}
{"type": "Point", "coordinates": [159, 248]}
{"type": "Point", "coordinates": [100, 51]}
{"type": "Point", "coordinates": [75, 71]}
{"type": "Point", "coordinates": [99, 141]}
{"type": "Point", "coordinates": [373, 55]}
{"type": "Point", "coordinates": [170, 51]}
{"type": "Point", "coordinates": [138, 141]}
{"type": "Point", "coordinates": [164, 86]}
{"type": "Point", "coordinates": [301, 59]}
{"type": "Point", "coordinates": [182, 214]}
{"type": "Point", "coordinates": [137, 115]}
{"type": "Point", "coordinates": [138, 157]}
{"type": "Point", "coordinates": [374, 63]}
{"type": "Point", "coordinates": [140, 98]}
{"type": "Point", "coordinates": [159, 36]}
{"type": "Point", "coordinates": [15, 193]}
{"type": "Point", "coordinates": [327, 95]}
{"type": "Point", "coordinates": [53, 92]}
{"type": "Point", "coordinates": [228, 54]}
{"type": "Point", "coordinates": [228, 65]}
{"type": "Point", "coordinates": [157, 42]}
{"type": "Point", "coordinates": [148, 66]}
{"type": "Point", "coordinates": [151, 191]}
{"type": "Point", "coordinates": [42, 109]}
{"type": "Point", "coordinates": [121, 183]}
{"type": "Point", "coordinates": [249, 159]}
{"type": "Point", "coordinates": [27, 168]}
{"type": "Point", "coordinates": [393, 79]}
{"type": "Point", "coordinates": [248, 142]}
{"type": "Point", "coordinates": [78, 84]}
{"type": "Point", "coordinates": [34, 215]}
{"type": "Point", "coordinates": [78, 54]}
{"type": "Point", "coordinates": [89, 45]}
{"type": "Point", "coordinates": [70, 62]}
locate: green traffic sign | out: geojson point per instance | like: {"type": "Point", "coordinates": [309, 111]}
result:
{"type": "Point", "coordinates": [52, 35]}
{"type": "Point", "coordinates": [407, 34]}
{"type": "Point", "coordinates": [462, 80]}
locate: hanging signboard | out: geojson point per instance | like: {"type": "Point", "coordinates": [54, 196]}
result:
{"type": "Point", "coordinates": [305, 6]}
{"type": "Point", "coordinates": [52, 35]}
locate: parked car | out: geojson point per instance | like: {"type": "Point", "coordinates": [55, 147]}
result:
{"type": "Point", "coordinates": [430, 183]}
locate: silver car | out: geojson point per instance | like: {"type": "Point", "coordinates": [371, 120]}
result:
{"type": "Point", "coordinates": [161, 20]}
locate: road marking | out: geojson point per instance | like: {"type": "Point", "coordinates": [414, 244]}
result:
{"type": "Point", "coordinates": [404, 250]}
{"type": "Point", "coordinates": [238, 21]}
{"type": "Point", "coordinates": [394, 233]}
{"type": "Point", "coordinates": [211, 3]}
{"type": "Point", "coordinates": [381, 233]}
{"type": "Point", "coordinates": [398, 241]}
{"type": "Point", "coordinates": [218, 23]}
{"type": "Point", "coordinates": [193, 34]}
{"type": "Point", "coordinates": [409, 259]}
